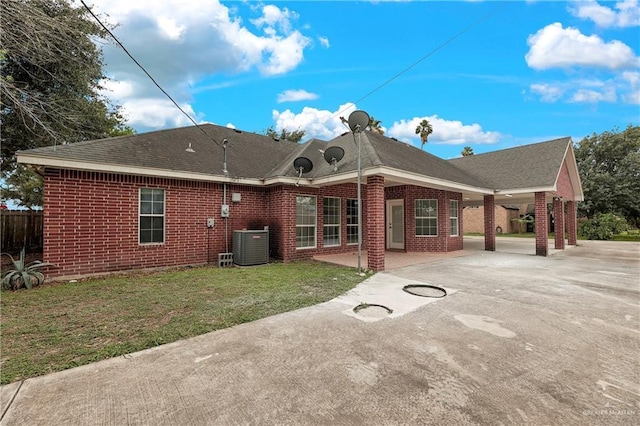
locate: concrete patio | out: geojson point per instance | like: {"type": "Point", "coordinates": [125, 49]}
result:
{"type": "Point", "coordinates": [398, 259]}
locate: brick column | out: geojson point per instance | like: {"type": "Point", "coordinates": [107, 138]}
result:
{"type": "Point", "coordinates": [375, 222]}
{"type": "Point", "coordinates": [542, 228]}
{"type": "Point", "coordinates": [489, 223]}
{"type": "Point", "coordinates": [558, 216]}
{"type": "Point", "coordinates": [572, 222]}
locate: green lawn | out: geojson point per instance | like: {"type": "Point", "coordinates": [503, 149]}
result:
{"type": "Point", "coordinates": [625, 236]}
{"type": "Point", "coordinates": [65, 325]}
{"type": "Point", "coordinates": [633, 235]}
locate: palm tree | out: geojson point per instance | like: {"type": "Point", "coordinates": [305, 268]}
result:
{"type": "Point", "coordinates": [467, 151]}
{"type": "Point", "coordinates": [375, 125]}
{"type": "Point", "coordinates": [424, 129]}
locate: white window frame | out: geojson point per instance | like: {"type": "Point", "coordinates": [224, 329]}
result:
{"type": "Point", "coordinates": [313, 224]}
{"type": "Point", "coordinates": [430, 217]}
{"type": "Point", "coordinates": [152, 215]}
{"type": "Point", "coordinates": [352, 225]}
{"type": "Point", "coordinates": [332, 225]}
{"type": "Point", "coordinates": [454, 215]}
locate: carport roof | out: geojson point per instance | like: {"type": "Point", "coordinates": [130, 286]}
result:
{"type": "Point", "coordinates": [527, 166]}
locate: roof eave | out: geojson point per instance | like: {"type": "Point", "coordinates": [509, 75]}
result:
{"type": "Point", "coordinates": [130, 170]}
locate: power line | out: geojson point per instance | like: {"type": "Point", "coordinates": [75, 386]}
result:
{"type": "Point", "coordinates": [439, 47]}
{"type": "Point", "coordinates": [147, 73]}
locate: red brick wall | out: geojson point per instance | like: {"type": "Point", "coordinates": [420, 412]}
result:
{"type": "Point", "coordinates": [558, 214]}
{"type": "Point", "coordinates": [442, 242]}
{"type": "Point", "coordinates": [572, 230]}
{"type": "Point", "coordinates": [91, 221]}
{"type": "Point", "coordinates": [563, 185]}
{"type": "Point", "coordinates": [375, 222]}
{"type": "Point", "coordinates": [286, 207]}
{"type": "Point", "coordinates": [542, 225]}
{"type": "Point", "coordinates": [489, 223]}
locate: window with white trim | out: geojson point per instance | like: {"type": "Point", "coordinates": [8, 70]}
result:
{"type": "Point", "coordinates": [306, 219]}
{"type": "Point", "coordinates": [331, 227]}
{"type": "Point", "coordinates": [151, 217]}
{"type": "Point", "coordinates": [426, 213]}
{"type": "Point", "coordinates": [453, 218]}
{"type": "Point", "coordinates": [352, 221]}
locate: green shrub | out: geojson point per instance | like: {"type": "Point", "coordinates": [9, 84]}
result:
{"type": "Point", "coordinates": [603, 226]}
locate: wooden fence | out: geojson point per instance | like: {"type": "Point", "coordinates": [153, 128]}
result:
{"type": "Point", "coordinates": [21, 228]}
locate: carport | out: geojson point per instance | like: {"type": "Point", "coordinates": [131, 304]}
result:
{"type": "Point", "coordinates": [544, 174]}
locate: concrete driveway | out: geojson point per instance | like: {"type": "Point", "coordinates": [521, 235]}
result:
{"type": "Point", "coordinates": [519, 340]}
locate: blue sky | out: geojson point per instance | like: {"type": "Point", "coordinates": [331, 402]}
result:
{"type": "Point", "coordinates": [522, 72]}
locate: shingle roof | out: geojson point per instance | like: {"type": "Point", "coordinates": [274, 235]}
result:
{"type": "Point", "coordinates": [255, 156]}
{"type": "Point", "coordinates": [528, 166]}
{"type": "Point", "coordinates": [249, 155]}
{"type": "Point", "coordinates": [376, 150]}
{"type": "Point", "coordinates": [403, 156]}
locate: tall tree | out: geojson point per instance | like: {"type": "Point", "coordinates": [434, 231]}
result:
{"type": "Point", "coordinates": [609, 166]}
{"type": "Point", "coordinates": [467, 151]}
{"type": "Point", "coordinates": [50, 75]}
{"type": "Point", "coordinates": [375, 125]}
{"type": "Point", "coordinates": [424, 129]}
{"type": "Point", "coordinates": [292, 136]}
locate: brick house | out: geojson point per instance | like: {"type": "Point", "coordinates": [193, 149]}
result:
{"type": "Point", "coordinates": [146, 200]}
{"type": "Point", "coordinates": [473, 218]}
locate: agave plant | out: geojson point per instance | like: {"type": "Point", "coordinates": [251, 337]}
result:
{"type": "Point", "coordinates": [23, 275]}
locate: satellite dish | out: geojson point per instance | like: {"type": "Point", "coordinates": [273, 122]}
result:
{"type": "Point", "coordinates": [333, 155]}
{"type": "Point", "coordinates": [358, 120]}
{"type": "Point", "coordinates": [302, 165]}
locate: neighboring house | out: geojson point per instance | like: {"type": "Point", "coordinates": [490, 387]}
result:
{"type": "Point", "coordinates": [145, 200]}
{"type": "Point", "coordinates": [506, 216]}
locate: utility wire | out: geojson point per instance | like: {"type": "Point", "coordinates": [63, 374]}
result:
{"type": "Point", "coordinates": [447, 42]}
{"type": "Point", "coordinates": [147, 73]}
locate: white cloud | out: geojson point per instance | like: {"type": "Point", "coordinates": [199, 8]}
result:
{"type": "Point", "coordinates": [296, 95]}
{"type": "Point", "coordinates": [324, 41]}
{"type": "Point", "coordinates": [169, 28]}
{"type": "Point", "coordinates": [627, 14]}
{"type": "Point", "coordinates": [548, 92]}
{"type": "Point", "coordinates": [625, 86]}
{"type": "Point", "coordinates": [321, 124]}
{"type": "Point", "coordinates": [326, 125]}
{"type": "Point", "coordinates": [156, 113]}
{"type": "Point", "coordinates": [117, 89]}
{"type": "Point", "coordinates": [632, 78]}
{"type": "Point", "coordinates": [450, 132]}
{"type": "Point", "coordinates": [272, 17]}
{"type": "Point", "coordinates": [180, 42]}
{"type": "Point", "coordinates": [556, 47]}
{"type": "Point", "coordinates": [594, 96]}
{"type": "Point", "coordinates": [230, 126]}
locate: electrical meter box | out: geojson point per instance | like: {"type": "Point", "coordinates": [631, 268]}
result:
{"type": "Point", "coordinates": [224, 210]}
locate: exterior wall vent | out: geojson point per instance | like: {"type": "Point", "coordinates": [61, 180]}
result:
{"type": "Point", "coordinates": [250, 247]}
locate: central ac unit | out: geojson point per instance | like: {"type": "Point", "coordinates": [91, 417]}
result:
{"type": "Point", "coordinates": [250, 247]}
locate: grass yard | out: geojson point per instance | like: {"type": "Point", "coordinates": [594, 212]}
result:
{"type": "Point", "coordinates": [60, 326]}
{"type": "Point", "coordinates": [625, 236]}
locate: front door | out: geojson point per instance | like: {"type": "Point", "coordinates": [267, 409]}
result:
{"type": "Point", "coordinates": [395, 224]}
